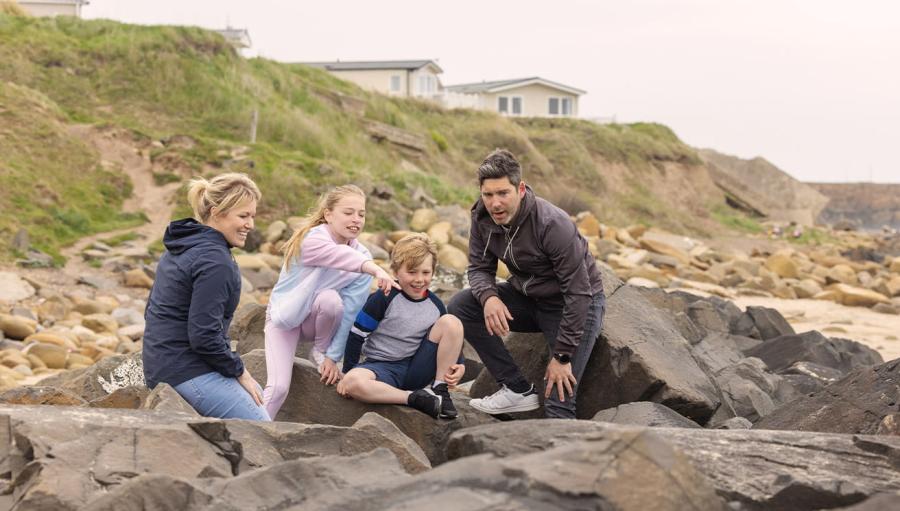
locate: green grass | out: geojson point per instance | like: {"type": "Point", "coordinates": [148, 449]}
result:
{"type": "Point", "coordinates": [159, 81]}
{"type": "Point", "coordinates": [735, 220]}
{"type": "Point", "coordinates": [812, 236]}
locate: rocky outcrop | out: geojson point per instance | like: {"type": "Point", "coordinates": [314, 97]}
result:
{"type": "Point", "coordinates": [858, 403]}
{"type": "Point", "coordinates": [753, 470]}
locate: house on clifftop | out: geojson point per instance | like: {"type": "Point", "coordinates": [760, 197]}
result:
{"type": "Point", "coordinates": [523, 97]}
{"type": "Point", "coordinates": [50, 8]}
{"type": "Point", "coordinates": [405, 78]}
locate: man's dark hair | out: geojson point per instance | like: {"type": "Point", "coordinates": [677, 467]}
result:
{"type": "Point", "coordinates": [500, 163]}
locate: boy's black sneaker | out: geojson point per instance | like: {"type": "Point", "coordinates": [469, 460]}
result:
{"type": "Point", "coordinates": [448, 411]}
{"type": "Point", "coordinates": [425, 402]}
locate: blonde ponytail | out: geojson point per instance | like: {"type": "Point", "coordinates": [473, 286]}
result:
{"type": "Point", "coordinates": [223, 192]}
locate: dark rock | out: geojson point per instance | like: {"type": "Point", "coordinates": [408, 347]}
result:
{"type": "Point", "coordinates": [311, 401]}
{"type": "Point", "coordinates": [751, 390]}
{"type": "Point", "coordinates": [857, 403]}
{"type": "Point", "coordinates": [690, 331]}
{"type": "Point", "coordinates": [642, 357]}
{"type": "Point", "coordinates": [841, 354]}
{"type": "Point", "coordinates": [41, 395]}
{"type": "Point", "coordinates": [716, 352]}
{"type": "Point", "coordinates": [744, 326]}
{"type": "Point", "coordinates": [247, 328]}
{"type": "Point", "coordinates": [744, 343]}
{"type": "Point", "coordinates": [769, 322]}
{"type": "Point", "coordinates": [809, 377]}
{"type": "Point", "coordinates": [319, 483]}
{"type": "Point", "coordinates": [164, 398]}
{"type": "Point", "coordinates": [772, 470]}
{"type": "Point", "coordinates": [254, 240]}
{"type": "Point", "coordinates": [706, 316]}
{"type": "Point", "coordinates": [645, 414]}
{"type": "Point", "coordinates": [380, 432]}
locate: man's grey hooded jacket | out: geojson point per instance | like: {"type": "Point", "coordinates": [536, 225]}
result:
{"type": "Point", "coordinates": [547, 257]}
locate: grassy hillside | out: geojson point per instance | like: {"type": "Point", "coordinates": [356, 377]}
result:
{"type": "Point", "coordinates": [162, 81]}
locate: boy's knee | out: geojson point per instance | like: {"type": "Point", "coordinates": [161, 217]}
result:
{"type": "Point", "coordinates": [449, 324]}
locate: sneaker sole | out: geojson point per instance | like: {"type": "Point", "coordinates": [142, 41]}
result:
{"type": "Point", "coordinates": [526, 407]}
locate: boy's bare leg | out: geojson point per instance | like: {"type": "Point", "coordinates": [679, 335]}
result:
{"type": "Point", "coordinates": [447, 332]}
{"type": "Point", "coordinates": [360, 384]}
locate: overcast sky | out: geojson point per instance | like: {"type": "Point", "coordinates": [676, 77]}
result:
{"type": "Point", "coordinates": [813, 85]}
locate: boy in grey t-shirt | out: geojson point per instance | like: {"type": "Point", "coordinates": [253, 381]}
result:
{"type": "Point", "coordinates": [408, 339]}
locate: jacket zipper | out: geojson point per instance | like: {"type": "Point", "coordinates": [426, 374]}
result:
{"type": "Point", "coordinates": [525, 286]}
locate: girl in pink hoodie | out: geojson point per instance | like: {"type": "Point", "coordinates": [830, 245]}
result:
{"type": "Point", "coordinates": [323, 284]}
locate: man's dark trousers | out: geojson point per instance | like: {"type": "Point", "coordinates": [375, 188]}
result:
{"type": "Point", "coordinates": [529, 315]}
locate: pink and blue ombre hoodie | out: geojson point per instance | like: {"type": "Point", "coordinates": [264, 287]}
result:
{"type": "Point", "coordinates": [323, 264]}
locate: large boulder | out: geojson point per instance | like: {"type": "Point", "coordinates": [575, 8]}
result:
{"type": "Point", "coordinates": [753, 470]}
{"type": "Point", "coordinates": [102, 378]}
{"type": "Point", "coordinates": [641, 356]}
{"type": "Point", "coordinates": [311, 401]}
{"type": "Point", "coordinates": [857, 403]}
{"type": "Point", "coordinates": [769, 323]}
{"type": "Point", "coordinates": [841, 354]}
{"type": "Point", "coordinates": [247, 328]}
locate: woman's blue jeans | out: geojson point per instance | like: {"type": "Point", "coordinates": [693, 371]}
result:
{"type": "Point", "coordinates": [214, 395]}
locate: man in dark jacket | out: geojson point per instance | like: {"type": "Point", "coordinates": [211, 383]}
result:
{"type": "Point", "coordinates": [554, 288]}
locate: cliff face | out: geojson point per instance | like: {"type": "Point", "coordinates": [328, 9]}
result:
{"type": "Point", "coordinates": [868, 205]}
{"type": "Point", "coordinates": [764, 188]}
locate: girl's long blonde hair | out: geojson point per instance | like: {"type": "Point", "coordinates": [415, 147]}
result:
{"type": "Point", "coordinates": [223, 192]}
{"type": "Point", "coordinates": [316, 216]}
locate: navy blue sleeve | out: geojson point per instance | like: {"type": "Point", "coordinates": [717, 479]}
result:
{"type": "Point", "coordinates": [443, 310]}
{"type": "Point", "coordinates": [366, 322]}
{"type": "Point", "coordinates": [212, 278]}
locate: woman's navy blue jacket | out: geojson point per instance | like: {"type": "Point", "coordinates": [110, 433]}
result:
{"type": "Point", "coordinates": [197, 288]}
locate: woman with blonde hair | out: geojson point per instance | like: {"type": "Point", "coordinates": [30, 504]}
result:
{"type": "Point", "coordinates": [197, 288]}
{"type": "Point", "coordinates": [323, 284]}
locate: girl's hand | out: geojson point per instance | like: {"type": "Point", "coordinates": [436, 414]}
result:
{"type": "Point", "coordinates": [330, 372]}
{"type": "Point", "coordinates": [383, 279]}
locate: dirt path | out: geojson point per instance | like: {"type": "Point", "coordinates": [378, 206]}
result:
{"type": "Point", "coordinates": [117, 149]}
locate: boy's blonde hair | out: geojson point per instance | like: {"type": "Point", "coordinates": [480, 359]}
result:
{"type": "Point", "coordinates": [223, 192]}
{"type": "Point", "coordinates": [412, 250]}
{"type": "Point", "coordinates": [316, 216]}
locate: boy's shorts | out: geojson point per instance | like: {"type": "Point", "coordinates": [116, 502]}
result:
{"type": "Point", "coordinates": [410, 373]}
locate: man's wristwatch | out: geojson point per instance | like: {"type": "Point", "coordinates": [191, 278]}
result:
{"type": "Point", "coordinates": [562, 358]}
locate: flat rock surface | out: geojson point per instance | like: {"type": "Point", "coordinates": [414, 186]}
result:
{"type": "Point", "coordinates": [771, 470]}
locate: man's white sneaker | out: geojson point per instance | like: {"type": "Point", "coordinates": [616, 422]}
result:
{"type": "Point", "coordinates": [507, 401]}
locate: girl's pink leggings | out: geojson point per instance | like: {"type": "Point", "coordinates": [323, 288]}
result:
{"type": "Point", "coordinates": [319, 327]}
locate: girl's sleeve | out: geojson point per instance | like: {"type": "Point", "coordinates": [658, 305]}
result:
{"type": "Point", "coordinates": [354, 297]}
{"type": "Point", "coordinates": [318, 249]}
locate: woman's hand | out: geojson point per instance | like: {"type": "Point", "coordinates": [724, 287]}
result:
{"type": "Point", "coordinates": [330, 372]}
{"type": "Point", "coordinates": [454, 375]}
{"type": "Point", "coordinates": [383, 279]}
{"type": "Point", "coordinates": [250, 386]}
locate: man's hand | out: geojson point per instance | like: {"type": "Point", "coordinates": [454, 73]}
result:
{"type": "Point", "coordinates": [496, 316]}
{"type": "Point", "coordinates": [454, 375]}
{"type": "Point", "coordinates": [560, 376]}
{"type": "Point", "coordinates": [330, 372]}
{"type": "Point", "coordinates": [250, 386]}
